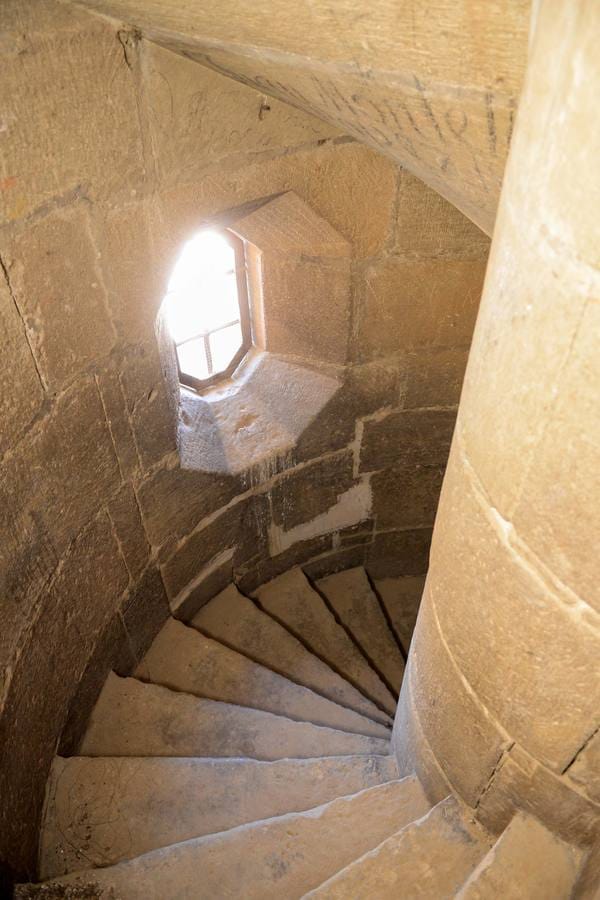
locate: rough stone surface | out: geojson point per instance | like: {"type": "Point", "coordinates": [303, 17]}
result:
{"type": "Point", "coordinates": [421, 437]}
{"type": "Point", "coordinates": [353, 601]}
{"type": "Point", "coordinates": [520, 782]}
{"type": "Point", "coordinates": [21, 392]}
{"type": "Point", "coordinates": [291, 601]}
{"type": "Point", "coordinates": [401, 598]}
{"type": "Point", "coordinates": [63, 301]}
{"type": "Point", "coordinates": [254, 418]}
{"type": "Point", "coordinates": [298, 498]}
{"type": "Point", "coordinates": [479, 565]}
{"type": "Point", "coordinates": [291, 854]}
{"type": "Point", "coordinates": [436, 301]}
{"type": "Point", "coordinates": [99, 811]}
{"type": "Point", "coordinates": [429, 858]}
{"type": "Point", "coordinates": [182, 659]}
{"type": "Point", "coordinates": [526, 860]}
{"type": "Point", "coordinates": [135, 719]}
{"type": "Point", "coordinates": [446, 706]}
{"type": "Point", "coordinates": [236, 621]}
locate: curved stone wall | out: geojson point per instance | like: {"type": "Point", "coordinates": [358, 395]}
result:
{"type": "Point", "coordinates": [113, 152]}
{"type": "Point", "coordinates": [505, 655]}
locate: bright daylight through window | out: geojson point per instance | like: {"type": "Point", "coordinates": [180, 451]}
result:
{"type": "Point", "coordinates": [207, 308]}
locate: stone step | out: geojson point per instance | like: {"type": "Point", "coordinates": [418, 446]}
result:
{"type": "Point", "coordinates": [236, 621]}
{"type": "Point", "coordinates": [357, 607]}
{"type": "Point", "coordinates": [183, 659]}
{"type": "Point", "coordinates": [401, 598]}
{"type": "Point", "coordinates": [136, 719]}
{"type": "Point", "coordinates": [290, 599]}
{"type": "Point", "coordinates": [526, 861]}
{"type": "Point", "coordinates": [428, 859]}
{"type": "Point", "coordinates": [100, 811]}
{"type": "Point", "coordinates": [277, 858]}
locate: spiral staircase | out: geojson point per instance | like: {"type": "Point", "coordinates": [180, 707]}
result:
{"type": "Point", "coordinates": [250, 756]}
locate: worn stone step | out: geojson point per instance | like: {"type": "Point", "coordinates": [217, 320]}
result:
{"type": "Point", "coordinates": [136, 719]}
{"type": "Point", "coordinates": [401, 598]}
{"type": "Point", "coordinates": [290, 599]}
{"type": "Point", "coordinates": [183, 659]}
{"type": "Point", "coordinates": [428, 859]}
{"type": "Point", "coordinates": [100, 811]}
{"type": "Point", "coordinates": [526, 861]}
{"type": "Point", "coordinates": [357, 607]}
{"type": "Point", "coordinates": [277, 858]}
{"type": "Point", "coordinates": [235, 621]}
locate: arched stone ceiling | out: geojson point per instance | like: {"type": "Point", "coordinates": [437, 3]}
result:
{"type": "Point", "coordinates": [434, 85]}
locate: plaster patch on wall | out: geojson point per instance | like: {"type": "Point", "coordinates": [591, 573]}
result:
{"type": "Point", "coordinates": [352, 507]}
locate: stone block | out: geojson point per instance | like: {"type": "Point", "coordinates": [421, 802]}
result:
{"type": "Point", "coordinates": [199, 118]}
{"type": "Point", "coordinates": [53, 271]}
{"type": "Point", "coordinates": [394, 553]}
{"type": "Point", "coordinates": [466, 743]}
{"type": "Point", "coordinates": [52, 486]}
{"type": "Point", "coordinates": [336, 561]}
{"type": "Point", "coordinates": [150, 410]}
{"type": "Point", "coordinates": [406, 496]}
{"type": "Point", "coordinates": [216, 579]}
{"type": "Point", "coordinates": [405, 304]}
{"type": "Point", "coordinates": [522, 783]}
{"type": "Point", "coordinates": [558, 504]}
{"type": "Point", "coordinates": [411, 749]}
{"type": "Point", "coordinates": [433, 376]}
{"type": "Point", "coordinates": [411, 437]}
{"type": "Point", "coordinates": [117, 416]}
{"type": "Point", "coordinates": [492, 602]}
{"type": "Point", "coordinates": [428, 226]}
{"type": "Point", "coordinates": [21, 391]}
{"type": "Point", "coordinates": [284, 225]}
{"type": "Point", "coordinates": [365, 390]}
{"type": "Point", "coordinates": [174, 500]}
{"type": "Point", "coordinates": [251, 577]}
{"type": "Point", "coordinates": [125, 516]}
{"type": "Point", "coordinates": [92, 101]}
{"type": "Point", "coordinates": [241, 528]}
{"type": "Point", "coordinates": [59, 647]}
{"type": "Point", "coordinates": [111, 653]}
{"type": "Point", "coordinates": [585, 769]}
{"type": "Point", "coordinates": [307, 307]}
{"type": "Point", "coordinates": [518, 356]}
{"type": "Point", "coordinates": [145, 610]}
{"type": "Point", "coordinates": [303, 494]}
{"type": "Point", "coordinates": [135, 276]}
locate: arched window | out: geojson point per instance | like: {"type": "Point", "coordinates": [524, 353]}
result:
{"type": "Point", "coordinates": [207, 308]}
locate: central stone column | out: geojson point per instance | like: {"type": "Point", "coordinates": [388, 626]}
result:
{"type": "Point", "coordinates": [501, 703]}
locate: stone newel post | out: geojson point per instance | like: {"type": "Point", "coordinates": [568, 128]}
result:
{"type": "Point", "coordinates": [502, 701]}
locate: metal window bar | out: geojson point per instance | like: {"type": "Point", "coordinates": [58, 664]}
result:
{"type": "Point", "coordinates": [244, 321]}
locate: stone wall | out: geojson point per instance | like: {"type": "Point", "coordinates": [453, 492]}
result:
{"type": "Point", "coordinates": [112, 152]}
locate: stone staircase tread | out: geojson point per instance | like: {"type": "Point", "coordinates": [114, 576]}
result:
{"type": "Point", "coordinates": [429, 858]}
{"type": "Point", "coordinates": [136, 719]}
{"type": "Point", "coordinates": [401, 597]}
{"type": "Point", "coordinates": [526, 861]}
{"type": "Point", "coordinates": [274, 858]}
{"type": "Point", "coordinates": [291, 600]}
{"type": "Point", "coordinates": [102, 810]}
{"type": "Point", "coordinates": [352, 599]}
{"type": "Point", "coordinates": [236, 621]}
{"type": "Point", "coordinates": [183, 659]}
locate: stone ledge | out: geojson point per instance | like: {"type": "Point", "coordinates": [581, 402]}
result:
{"type": "Point", "coordinates": [255, 418]}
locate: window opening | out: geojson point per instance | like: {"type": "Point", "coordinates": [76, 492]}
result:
{"type": "Point", "coordinates": [207, 307]}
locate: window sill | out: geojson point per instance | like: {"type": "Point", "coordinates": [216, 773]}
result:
{"type": "Point", "coordinates": [254, 418]}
